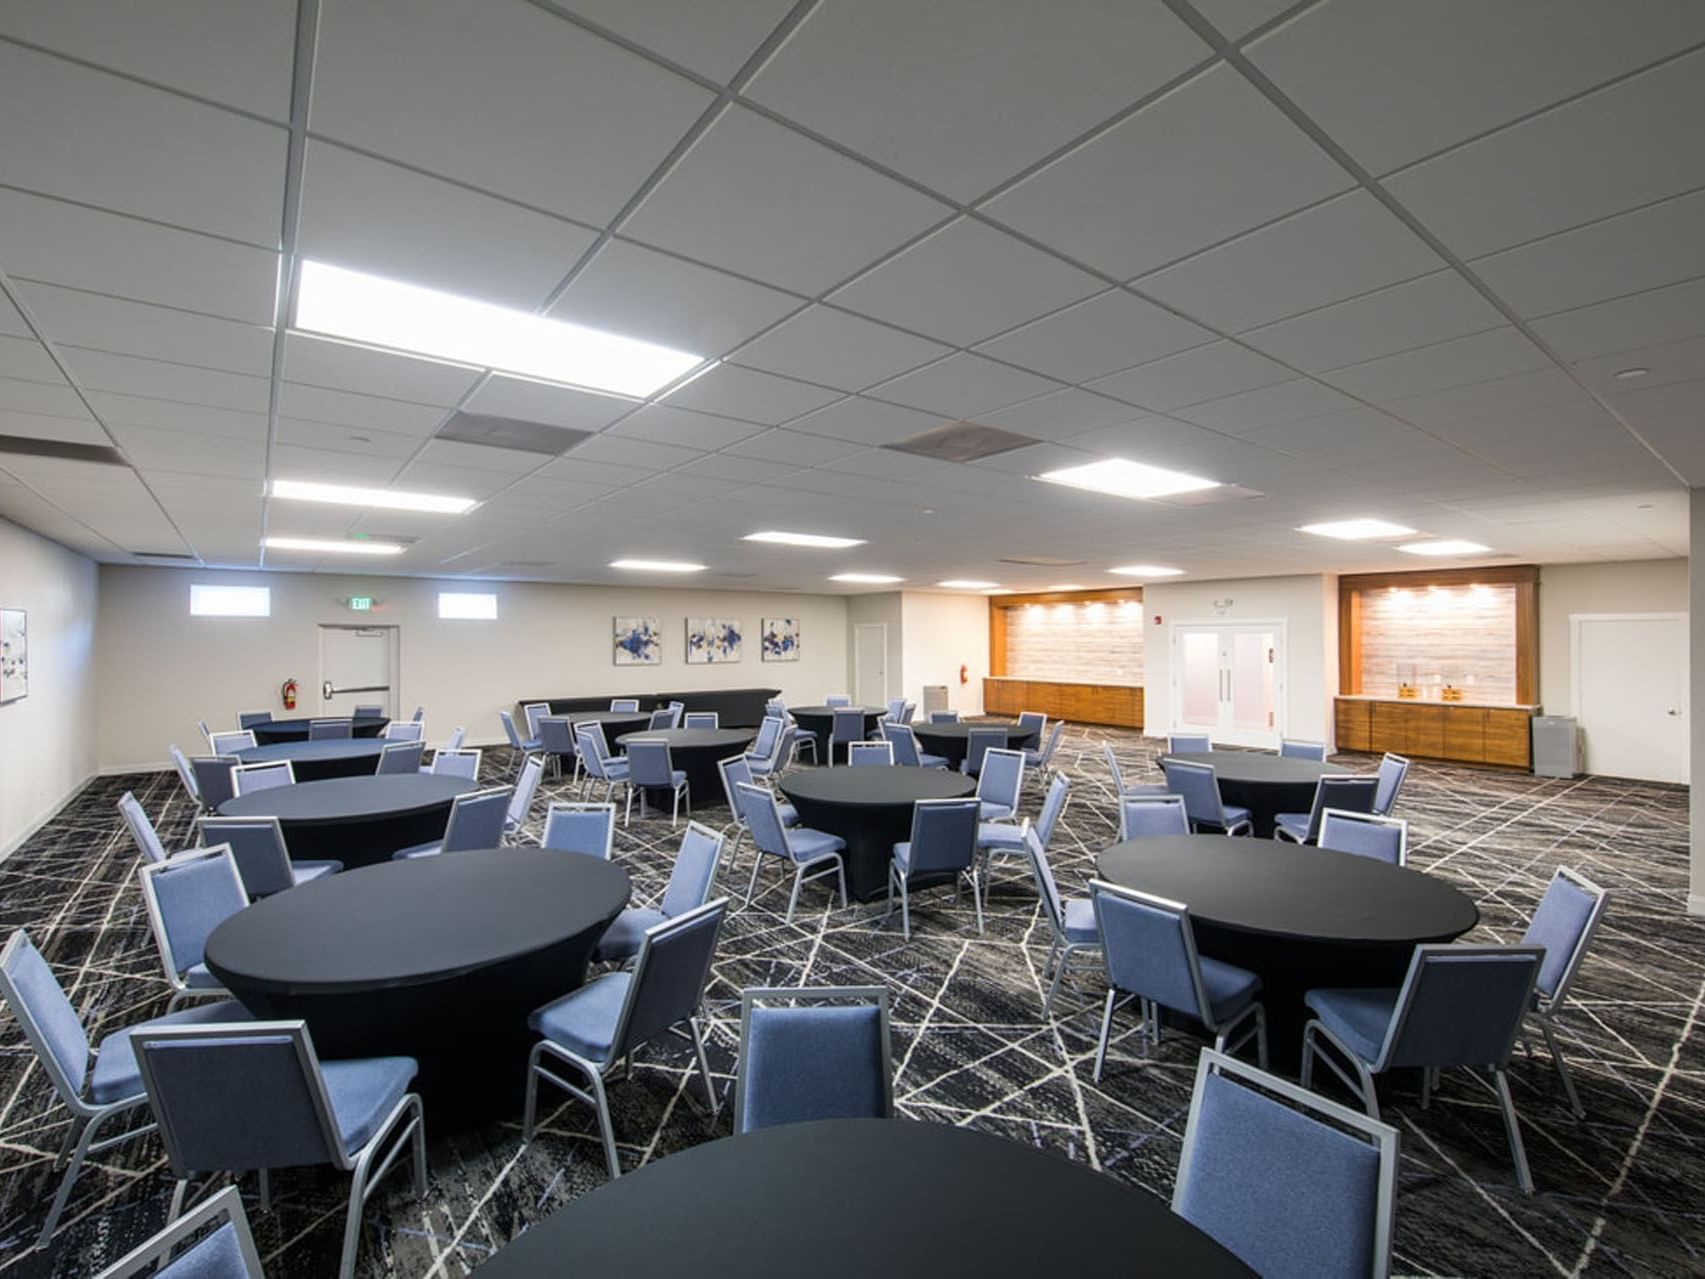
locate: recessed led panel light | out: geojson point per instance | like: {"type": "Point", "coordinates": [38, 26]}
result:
{"type": "Point", "coordinates": [869, 579]}
{"type": "Point", "coordinates": [1124, 478]}
{"type": "Point", "coordinates": [968, 584]}
{"type": "Point", "coordinates": [804, 539]}
{"type": "Point", "coordinates": [331, 547]}
{"type": "Point", "coordinates": [658, 566]}
{"type": "Point", "coordinates": [1355, 530]}
{"type": "Point", "coordinates": [1145, 570]}
{"type": "Point", "coordinates": [390, 499]}
{"type": "Point", "coordinates": [359, 307]}
{"type": "Point", "coordinates": [1444, 546]}
{"type": "Point", "coordinates": [1066, 586]}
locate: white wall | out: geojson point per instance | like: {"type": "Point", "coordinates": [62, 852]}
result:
{"type": "Point", "coordinates": [1696, 694]}
{"type": "Point", "coordinates": [47, 740]}
{"type": "Point", "coordinates": [1639, 586]}
{"type": "Point", "coordinates": [162, 669]}
{"type": "Point", "coordinates": [941, 634]}
{"type": "Point", "coordinates": [881, 609]}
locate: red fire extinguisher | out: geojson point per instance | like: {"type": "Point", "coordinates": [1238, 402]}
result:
{"type": "Point", "coordinates": [288, 693]}
{"type": "Point", "coordinates": [964, 674]}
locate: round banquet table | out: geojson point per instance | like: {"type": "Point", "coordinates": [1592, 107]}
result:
{"type": "Point", "coordinates": [696, 752]}
{"type": "Point", "coordinates": [296, 730]}
{"type": "Point", "coordinates": [438, 958]}
{"type": "Point", "coordinates": [316, 761]}
{"type": "Point", "coordinates": [952, 741]}
{"type": "Point", "coordinates": [1300, 917]}
{"type": "Point", "coordinates": [616, 724]}
{"type": "Point", "coordinates": [819, 721]}
{"type": "Point", "coordinates": [1266, 785]}
{"type": "Point", "coordinates": [831, 1199]}
{"type": "Point", "coordinates": [355, 820]}
{"type": "Point", "coordinates": [870, 808]}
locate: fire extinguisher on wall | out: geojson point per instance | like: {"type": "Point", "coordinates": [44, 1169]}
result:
{"type": "Point", "coordinates": [964, 674]}
{"type": "Point", "coordinates": [288, 693]}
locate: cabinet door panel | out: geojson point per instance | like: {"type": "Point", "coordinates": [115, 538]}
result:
{"type": "Point", "coordinates": [1508, 738]}
{"type": "Point", "coordinates": [1426, 735]}
{"type": "Point", "coordinates": [1465, 733]}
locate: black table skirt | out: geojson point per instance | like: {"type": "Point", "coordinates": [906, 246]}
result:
{"type": "Point", "coordinates": [1266, 785]}
{"type": "Point", "coordinates": [296, 730]}
{"type": "Point", "coordinates": [359, 821]}
{"type": "Point", "coordinates": [871, 826]}
{"type": "Point", "coordinates": [317, 761]}
{"type": "Point", "coordinates": [696, 752]}
{"type": "Point", "coordinates": [953, 742]}
{"type": "Point", "coordinates": [735, 707]}
{"type": "Point", "coordinates": [819, 721]}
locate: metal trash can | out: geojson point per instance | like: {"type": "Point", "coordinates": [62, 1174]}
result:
{"type": "Point", "coordinates": [1556, 746]}
{"type": "Point", "coordinates": [935, 698]}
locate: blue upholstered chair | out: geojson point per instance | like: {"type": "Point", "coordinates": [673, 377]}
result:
{"type": "Point", "coordinates": [895, 712]}
{"type": "Point", "coordinates": [521, 746]}
{"type": "Point", "coordinates": [812, 1053]}
{"type": "Point", "coordinates": [230, 743]}
{"type": "Point", "coordinates": [400, 759]}
{"type": "Point", "coordinates": [1150, 951]}
{"type": "Point", "coordinates": [1071, 922]}
{"type": "Point", "coordinates": [141, 829]}
{"type": "Point", "coordinates": [1200, 787]}
{"type": "Point", "coordinates": [186, 898]}
{"type": "Point", "coordinates": [661, 721]}
{"type": "Point", "coordinates": [1296, 1186]}
{"type": "Point", "coordinates": [369, 712]}
{"type": "Point", "coordinates": [596, 764]}
{"type": "Point", "coordinates": [837, 699]}
{"type": "Point", "coordinates": [944, 717]}
{"type": "Point", "coordinates": [186, 774]}
{"type": "Point", "coordinates": [764, 758]}
{"type": "Point", "coordinates": [1122, 788]}
{"type": "Point", "coordinates": [1346, 792]}
{"type": "Point", "coordinates": [206, 733]}
{"type": "Point", "coordinates": [978, 743]}
{"type": "Point", "coordinates": [1384, 839]}
{"type": "Point", "coordinates": [532, 713]}
{"type": "Point", "coordinates": [95, 1090]}
{"type": "Point", "coordinates": [227, 1251]}
{"type": "Point", "coordinates": [248, 719]}
{"type": "Point", "coordinates": [905, 744]}
{"type": "Point", "coordinates": [1188, 744]}
{"type": "Point", "coordinates": [676, 711]}
{"type": "Point", "coordinates": [521, 802]}
{"type": "Point", "coordinates": [404, 730]}
{"type": "Point", "coordinates": [651, 766]}
{"type": "Point", "coordinates": [556, 740]}
{"type": "Point", "coordinates": [806, 850]}
{"type": "Point", "coordinates": [1000, 782]}
{"type": "Point", "coordinates": [452, 746]}
{"type": "Point", "coordinates": [580, 828]}
{"type": "Point", "coordinates": [735, 771]}
{"type": "Point", "coordinates": [688, 888]}
{"type": "Point", "coordinates": [1041, 755]}
{"type": "Point", "coordinates": [624, 705]}
{"type": "Point", "coordinates": [1289, 749]}
{"type": "Point", "coordinates": [942, 852]}
{"type": "Point", "coordinates": [213, 779]}
{"type": "Point", "coordinates": [257, 1097]}
{"type": "Point", "coordinates": [476, 821]}
{"type": "Point", "coordinates": [419, 714]}
{"type": "Point", "coordinates": [1392, 770]}
{"type": "Point", "coordinates": [1459, 1006]}
{"type": "Point", "coordinates": [1031, 722]}
{"type": "Point", "coordinates": [701, 719]}
{"type": "Point", "coordinates": [1141, 815]}
{"type": "Point", "coordinates": [1002, 839]}
{"type": "Point", "coordinates": [457, 736]}
{"type": "Point", "coordinates": [1564, 924]}
{"type": "Point", "coordinates": [797, 741]}
{"type": "Point", "coordinates": [461, 761]}
{"type": "Point", "coordinates": [246, 779]}
{"type": "Point", "coordinates": [848, 727]}
{"type": "Point", "coordinates": [870, 754]}
{"type": "Point", "coordinates": [262, 857]}
{"type": "Point", "coordinates": [330, 730]}
{"type": "Point", "coordinates": [776, 707]}
{"type": "Point", "coordinates": [589, 1030]}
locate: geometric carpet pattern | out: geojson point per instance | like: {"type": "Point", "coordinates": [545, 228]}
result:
{"type": "Point", "coordinates": [1617, 1191]}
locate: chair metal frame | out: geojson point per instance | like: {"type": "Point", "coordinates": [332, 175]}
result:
{"type": "Point", "coordinates": [1297, 748]}
{"type": "Point", "coordinates": [1365, 819]}
{"type": "Point", "coordinates": [331, 729]}
{"type": "Point", "coordinates": [1317, 810]}
{"type": "Point", "coordinates": [1049, 818]}
{"type": "Point", "coordinates": [814, 996]}
{"type": "Point", "coordinates": [521, 800]}
{"type": "Point", "coordinates": [1397, 787]}
{"type": "Point", "coordinates": [136, 820]}
{"type": "Point", "coordinates": [404, 730]}
{"type": "Point", "coordinates": [624, 706]}
{"type": "Point", "coordinates": [1000, 801]}
{"type": "Point", "coordinates": [186, 774]}
{"type": "Point", "coordinates": [285, 867]}
{"type": "Point", "coordinates": [157, 1251]}
{"type": "Point", "coordinates": [1129, 802]}
{"type": "Point", "coordinates": [146, 874]}
{"type": "Point", "coordinates": [414, 748]}
{"type": "Point", "coordinates": [1245, 825]}
{"type": "Point", "coordinates": [870, 754]}
{"type": "Point", "coordinates": [901, 881]}
{"type": "Point", "coordinates": [582, 806]}
{"type": "Point", "coordinates": [533, 712]}
{"type": "Point", "coordinates": [596, 765]}
{"type": "Point", "coordinates": [1123, 789]}
{"type": "Point", "coordinates": [1061, 949]}
{"type": "Point", "coordinates": [979, 742]}
{"type": "Point", "coordinates": [705, 719]}
{"type": "Point", "coordinates": [240, 739]}
{"type": "Point", "coordinates": [248, 719]}
{"type": "Point", "coordinates": [1547, 1010]}
{"type": "Point", "coordinates": [837, 857]}
{"type": "Point", "coordinates": [240, 771]}
{"type": "Point", "coordinates": [456, 752]}
{"type": "Point", "coordinates": [675, 788]}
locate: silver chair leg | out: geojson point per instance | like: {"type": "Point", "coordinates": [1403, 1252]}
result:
{"type": "Point", "coordinates": [1575, 1107]}
{"type": "Point", "coordinates": [977, 899]}
{"type": "Point", "coordinates": [263, 1183]}
{"type": "Point", "coordinates": [704, 1065]}
{"type": "Point", "coordinates": [1106, 1032]}
{"type": "Point", "coordinates": [757, 865]}
{"type": "Point", "coordinates": [85, 1135]}
{"type": "Point", "coordinates": [1512, 1125]}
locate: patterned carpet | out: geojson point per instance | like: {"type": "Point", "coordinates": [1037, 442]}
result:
{"type": "Point", "coordinates": [1617, 1191]}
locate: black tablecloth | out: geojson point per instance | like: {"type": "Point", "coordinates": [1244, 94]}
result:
{"type": "Point", "coordinates": [317, 761]}
{"type": "Point", "coordinates": [1266, 785]}
{"type": "Point", "coordinates": [736, 707]}
{"type": "Point", "coordinates": [819, 721]}
{"type": "Point", "coordinates": [953, 741]}
{"type": "Point", "coordinates": [853, 1198]}
{"type": "Point", "coordinates": [296, 730]}
{"type": "Point", "coordinates": [1301, 917]}
{"type": "Point", "coordinates": [439, 958]}
{"type": "Point", "coordinates": [696, 752]}
{"type": "Point", "coordinates": [870, 808]}
{"type": "Point", "coordinates": [358, 821]}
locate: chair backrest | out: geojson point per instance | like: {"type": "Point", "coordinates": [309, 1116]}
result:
{"type": "Point", "coordinates": [650, 762]}
{"type": "Point", "coordinates": [944, 717]}
{"type": "Point", "coordinates": [1384, 839]}
{"type": "Point", "coordinates": [694, 870]}
{"type": "Point", "coordinates": [556, 735]}
{"type": "Point", "coordinates": [758, 809]}
{"type": "Point", "coordinates": [45, 1013]}
{"type": "Point", "coordinates": [907, 711]}
{"type": "Point", "coordinates": [238, 1096]}
{"type": "Point", "coordinates": [457, 763]}
{"type": "Point", "coordinates": [769, 733]}
{"type": "Point", "coordinates": [1346, 792]}
{"type": "Point", "coordinates": [230, 743]}
{"type": "Point", "coordinates": [734, 771]}
{"type": "Point", "coordinates": [1460, 1005]}
{"type": "Point", "coordinates": [1188, 744]}
{"type": "Point", "coordinates": [419, 714]}
{"type": "Point", "coordinates": [1315, 751]}
{"type": "Point", "coordinates": [944, 835]}
{"type": "Point", "coordinates": [257, 845]}
{"type": "Point", "coordinates": [896, 709]}
{"type": "Point", "coordinates": [1001, 780]}
{"type": "Point", "coordinates": [141, 829]}
{"type": "Point", "coordinates": [326, 730]}
{"type": "Point", "coordinates": [661, 719]}
{"type": "Point", "coordinates": [1200, 788]}
{"type": "Point", "coordinates": [589, 738]}
{"type": "Point", "coordinates": [1053, 804]}
{"type": "Point", "coordinates": [186, 774]}
{"type": "Point", "coordinates": [776, 707]}
{"type": "Point", "coordinates": [246, 779]}
{"type": "Point", "coordinates": [849, 724]}
{"type": "Point", "coordinates": [1150, 948]}
{"type": "Point", "coordinates": [1141, 815]}
{"type": "Point", "coordinates": [1564, 923]}
{"type": "Point", "coordinates": [865, 754]}
{"type": "Point", "coordinates": [701, 719]}
{"type": "Point", "coordinates": [369, 712]}
{"type": "Point", "coordinates": [476, 819]}
{"type": "Point", "coordinates": [225, 1252]}
{"type": "Point", "coordinates": [580, 828]}
{"type": "Point", "coordinates": [535, 711]}
{"type": "Point", "coordinates": [669, 975]}
{"type": "Point", "coordinates": [1290, 1182]}
{"type": "Point", "coordinates": [808, 1054]}
{"type": "Point", "coordinates": [679, 709]}
{"type": "Point", "coordinates": [979, 742]}
{"type": "Point", "coordinates": [1047, 887]}
{"type": "Point", "coordinates": [404, 730]}
{"type": "Point", "coordinates": [1113, 769]}
{"type": "Point", "coordinates": [838, 699]}
{"type": "Point", "coordinates": [187, 897]}
{"type": "Point", "coordinates": [521, 803]}
{"type": "Point", "coordinates": [508, 722]}
{"type": "Point", "coordinates": [401, 757]}
{"type": "Point", "coordinates": [213, 778]}
{"type": "Point", "coordinates": [457, 736]}
{"type": "Point", "coordinates": [1032, 722]}
{"type": "Point", "coordinates": [1392, 770]}
{"type": "Point", "coordinates": [1052, 744]}
{"type": "Point", "coordinates": [248, 719]}
{"type": "Point", "coordinates": [905, 744]}
{"type": "Point", "coordinates": [206, 733]}
{"type": "Point", "coordinates": [624, 705]}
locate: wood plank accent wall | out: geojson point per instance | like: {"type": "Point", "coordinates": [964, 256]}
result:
{"type": "Point", "coordinates": [1117, 704]}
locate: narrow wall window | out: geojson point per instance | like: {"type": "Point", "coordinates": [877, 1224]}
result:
{"type": "Point", "coordinates": [467, 607]}
{"type": "Point", "coordinates": [207, 600]}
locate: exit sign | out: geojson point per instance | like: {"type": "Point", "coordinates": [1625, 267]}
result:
{"type": "Point", "coordinates": [360, 603]}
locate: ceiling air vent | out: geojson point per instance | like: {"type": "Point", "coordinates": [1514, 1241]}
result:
{"type": "Point", "coordinates": [1040, 561]}
{"type": "Point", "coordinates": [511, 433]}
{"type": "Point", "coordinates": [165, 555]}
{"type": "Point", "coordinates": [962, 442]}
{"type": "Point", "coordinates": [29, 447]}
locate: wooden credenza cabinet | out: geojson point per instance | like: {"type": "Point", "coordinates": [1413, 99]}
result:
{"type": "Point", "coordinates": [1117, 704]}
{"type": "Point", "coordinates": [1437, 730]}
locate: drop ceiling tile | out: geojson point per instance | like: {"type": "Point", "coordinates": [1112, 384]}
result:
{"type": "Point", "coordinates": [666, 424]}
{"type": "Point", "coordinates": [476, 457]}
{"type": "Point", "coordinates": [1347, 246]}
{"type": "Point", "coordinates": [965, 283]}
{"type": "Point", "coordinates": [963, 386]}
{"type": "Point", "coordinates": [1060, 415]}
{"type": "Point", "coordinates": [1108, 332]}
{"type": "Point", "coordinates": [793, 447]}
{"type": "Point", "coordinates": [45, 240]}
{"type": "Point", "coordinates": [1479, 357]}
{"type": "Point", "coordinates": [1237, 18]}
{"type": "Point", "coordinates": [40, 397]}
{"type": "Point", "coordinates": [28, 360]}
{"type": "Point", "coordinates": [726, 466]}
{"type": "Point", "coordinates": [713, 40]}
{"type": "Point", "coordinates": [348, 409]}
{"type": "Point", "coordinates": [1140, 438]}
{"type": "Point", "coordinates": [1625, 324]}
{"type": "Point", "coordinates": [298, 462]}
{"type": "Point", "coordinates": [1267, 406]}
{"type": "Point", "coordinates": [1206, 162]}
{"type": "Point", "coordinates": [575, 469]}
{"type": "Point", "coordinates": [634, 453]}
{"type": "Point", "coordinates": [864, 421]}
{"type": "Point", "coordinates": [1589, 159]}
{"type": "Point", "coordinates": [751, 396]}
{"type": "Point", "coordinates": [596, 119]}
{"type": "Point", "coordinates": [678, 484]}
{"type": "Point", "coordinates": [1523, 391]}
{"type": "Point", "coordinates": [342, 366]}
{"type": "Point", "coordinates": [11, 323]}
{"type": "Point", "coordinates": [1666, 362]}
{"type": "Point", "coordinates": [42, 426]}
{"type": "Point", "coordinates": [170, 415]}
{"type": "Point", "coordinates": [442, 477]}
{"type": "Point", "coordinates": [337, 438]}
{"type": "Point", "coordinates": [240, 456]}
{"type": "Point", "coordinates": [155, 379]}
{"type": "Point", "coordinates": [1319, 436]}
{"type": "Point", "coordinates": [542, 402]}
{"type": "Point", "coordinates": [762, 200]}
{"type": "Point", "coordinates": [1205, 373]}
{"type": "Point", "coordinates": [72, 318]}
{"type": "Point", "coordinates": [837, 349]}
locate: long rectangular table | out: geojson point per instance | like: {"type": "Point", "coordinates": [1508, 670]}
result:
{"type": "Point", "coordinates": [735, 707]}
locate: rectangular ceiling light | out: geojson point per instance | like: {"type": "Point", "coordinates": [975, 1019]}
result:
{"type": "Point", "coordinates": [658, 566]}
{"type": "Point", "coordinates": [332, 547]}
{"type": "Point", "coordinates": [1124, 478]}
{"type": "Point", "coordinates": [868, 579]}
{"type": "Point", "coordinates": [1356, 530]}
{"type": "Point", "coordinates": [1145, 570]}
{"type": "Point", "coordinates": [968, 584]}
{"type": "Point", "coordinates": [1444, 546]}
{"type": "Point", "coordinates": [389, 499]}
{"type": "Point", "coordinates": [804, 539]}
{"type": "Point", "coordinates": [359, 307]}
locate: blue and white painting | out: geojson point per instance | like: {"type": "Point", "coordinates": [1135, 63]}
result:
{"type": "Point", "coordinates": [639, 642]}
{"type": "Point", "coordinates": [780, 639]}
{"type": "Point", "coordinates": [712, 639]}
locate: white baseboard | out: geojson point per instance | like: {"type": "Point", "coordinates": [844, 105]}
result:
{"type": "Point", "coordinates": [19, 840]}
{"type": "Point", "coordinates": [1695, 904]}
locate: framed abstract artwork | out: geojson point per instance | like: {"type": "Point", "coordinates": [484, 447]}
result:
{"type": "Point", "coordinates": [14, 654]}
{"type": "Point", "coordinates": [638, 641]}
{"type": "Point", "coordinates": [712, 640]}
{"type": "Point", "coordinates": [780, 639]}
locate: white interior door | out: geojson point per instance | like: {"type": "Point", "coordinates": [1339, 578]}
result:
{"type": "Point", "coordinates": [870, 663]}
{"type": "Point", "coordinates": [1629, 673]}
{"type": "Point", "coordinates": [1228, 681]}
{"type": "Point", "coordinates": [357, 668]}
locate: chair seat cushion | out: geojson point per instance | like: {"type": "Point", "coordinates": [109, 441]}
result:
{"type": "Point", "coordinates": [362, 1091]}
{"type": "Point", "coordinates": [531, 744]}
{"type": "Point", "coordinates": [1357, 1017]}
{"type": "Point", "coordinates": [621, 939]}
{"type": "Point", "coordinates": [307, 872]}
{"type": "Point", "coordinates": [1142, 789]}
{"type": "Point", "coordinates": [418, 850]}
{"type": "Point", "coordinates": [1230, 989]}
{"type": "Point", "coordinates": [584, 1021]}
{"type": "Point", "coordinates": [116, 1075]}
{"type": "Point", "coordinates": [999, 835]}
{"type": "Point", "coordinates": [1080, 920]}
{"type": "Point", "coordinates": [1292, 825]}
{"type": "Point", "coordinates": [807, 845]}
{"type": "Point", "coordinates": [616, 769]}
{"type": "Point", "coordinates": [989, 810]}
{"type": "Point", "coordinates": [931, 761]}
{"type": "Point", "coordinates": [199, 977]}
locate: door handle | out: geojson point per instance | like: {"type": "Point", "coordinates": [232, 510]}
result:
{"type": "Point", "coordinates": [328, 692]}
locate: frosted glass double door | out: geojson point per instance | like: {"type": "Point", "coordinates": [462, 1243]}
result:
{"type": "Point", "coordinates": [1228, 681]}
